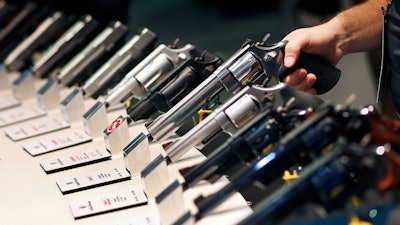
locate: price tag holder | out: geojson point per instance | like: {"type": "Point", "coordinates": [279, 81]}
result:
{"type": "Point", "coordinates": [155, 177]}
{"type": "Point", "coordinates": [63, 140]}
{"type": "Point", "coordinates": [137, 154]}
{"type": "Point", "coordinates": [23, 86]}
{"type": "Point", "coordinates": [170, 203]}
{"type": "Point", "coordinates": [35, 128]}
{"type": "Point", "coordinates": [107, 203]}
{"type": "Point", "coordinates": [116, 136]}
{"type": "Point", "coordinates": [92, 179]}
{"type": "Point", "coordinates": [95, 119]}
{"type": "Point", "coordinates": [72, 106]}
{"type": "Point", "coordinates": [48, 95]}
{"type": "Point", "coordinates": [73, 160]}
{"type": "Point", "coordinates": [19, 114]}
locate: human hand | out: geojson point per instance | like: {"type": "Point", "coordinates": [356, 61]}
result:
{"type": "Point", "coordinates": [308, 40]}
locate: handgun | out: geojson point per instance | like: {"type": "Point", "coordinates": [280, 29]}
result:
{"type": "Point", "coordinates": [249, 143]}
{"type": "Point", "coordinates": [20, 26]}
{"type": "Point", "coordinates": [255, 63]}
{"type": "Point", "coordinates": [177, 84]}
{"type": "Point", "coordinates": [66, 46]}
{"type": "Point", "coordinates": [47, 32]}
{"type": "Point", "coordinates": [295, 147]}
{"type": "Point", "coordinates": [127, 57]}
{"type": "Point", "coordinates": [97, 52]}
{"type": "Point", "coordinates": [149, 72]}
{"type": "Point", "coordinates": [347, 170]}
{"type": "Point", "coordinates": [237, 112]}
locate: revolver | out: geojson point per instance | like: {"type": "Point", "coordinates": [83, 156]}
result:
{"type": "Point", "coordinates": [177, 84]}
{"type": "Point", "coordinates": [127, 57]}
{"type": "Point", "coordinates": [247, 144]}
{"type": "Point", "coordinates": [325, 126]}
{"type": "Point", "coordinates": [348, 169]}
{"type": "Point", "coordinates": [256, 64]}
{"type": "Point", "coordinates": [65, 47]}
{"type": "Point", "coordinates": [21, 25]}
{"type": "Point", "coordinates": [149, 72]}
{"type": "Point", "coordinates": [45, 33]}
{"type": "Point", "coordinates": [82, 65]}
{"type": "Point", "coordinates": [237, 112]}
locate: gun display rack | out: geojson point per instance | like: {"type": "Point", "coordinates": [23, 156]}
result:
{"type": "Point", "coordinates": [75, 150]}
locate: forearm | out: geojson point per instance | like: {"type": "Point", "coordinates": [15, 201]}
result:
{"type": "Point", "coordinates": [360, 27]}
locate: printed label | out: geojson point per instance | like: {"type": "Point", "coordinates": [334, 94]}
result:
{"type": "Point", "coordinates": [107, 203]}
{"type": "Point", "coordinates": [18, 114]}
{"type": "Point", "coordinates": [72, 160]}
{"type": "Point", "coordinates": [62, 140]}
{"type": "Point", "coordinates": [92, 179]}
{"type": "Point", "coordinates": [35, 128]}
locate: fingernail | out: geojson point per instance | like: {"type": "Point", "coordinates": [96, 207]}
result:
{"type": "Point", "coordinates": [289, 61]}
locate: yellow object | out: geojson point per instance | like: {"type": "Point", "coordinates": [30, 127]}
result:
{"type": "Point", "coordinates": [288, 177]}
{"type": "Point", "coordinates": [354, 220]}
{"type": "Point", "coordinates": [203, 112]}
{"type": "Point", "coordinates": [127, 104]}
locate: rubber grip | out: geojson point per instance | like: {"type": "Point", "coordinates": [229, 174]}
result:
{"type": "Point", "coordinates": [327, 74]}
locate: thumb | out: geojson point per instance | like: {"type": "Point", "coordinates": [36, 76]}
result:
{"type": "Point", "coordinates": [291, 56]}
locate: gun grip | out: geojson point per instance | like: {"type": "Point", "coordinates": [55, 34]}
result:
{"type": "Point", "coordinates": [327, 75]}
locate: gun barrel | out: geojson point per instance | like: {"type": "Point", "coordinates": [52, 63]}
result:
{"type": "Point", "coordinates": [281, 157]}
{"type": "Point", "coordinates": [18, 58]}
{"type": "Point", "coordinates": [65, 46]}
{"type": "Point", "coordinates": [181, 81]}
{"type": "Point", "coordinates": [227, 118]}
{"type": "Point", "coordinates": [21, 25]}
{"type": "Point", "coordinates": [163, 126]}
{"type": "Point", "coordinates": [93, 55]}
{"type": "Point", "coordinates": [127, 57]}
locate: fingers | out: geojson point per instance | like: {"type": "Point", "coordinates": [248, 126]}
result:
{"type": "Point", "coordinates": [295, 43]}
{"type": "Point", "coordinates": [301, 80]}
{"type": "Point", "coordinates": [291, 56]}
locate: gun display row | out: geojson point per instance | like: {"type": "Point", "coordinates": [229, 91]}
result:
{"type": "Point", "coordinates": [272, 127]}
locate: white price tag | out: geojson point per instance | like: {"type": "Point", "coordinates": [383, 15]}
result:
{"type": "Point", "coordinates": [107, 203]}
{"type": "Point", "coordinates": [18, 114]}
{"type": "Point", "coordinates": [92, 179]}
{"type": "Point", "coordinates": [9, 101]}
{"type": "Point", "coordinates": [62, 140]}
{"type": "Point", "coordinates": [72, 160]}
{"type": "Point", "coordinates": [35, 128]}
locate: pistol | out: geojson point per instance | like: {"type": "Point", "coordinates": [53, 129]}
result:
{"type": "Point", "coordinates": [149, 72]}
{"type": "Point", "coordinates": [255, 63]}
{"type": "Point", "coordinates": [177, 84]}
{"type": "Point", "coordinates": [237, 112]}
{"type": "Point", "coordinates": [21, 25]}
{"type": "Point", "coordinates": [246, 145]}
{"type": "Point", "coordinates": [47, 32]}
{"type": "Point", "coordinates": [347, 170]}
{"type": "Point", "coordinates": [127, 57]}
{"type": "Point", "coordinates": [321, 129]}
{"type": "Point", "coordinates": [100, 49]}
{"type": "Point", "coordinates": [65, 47]}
